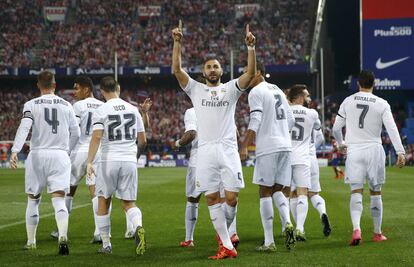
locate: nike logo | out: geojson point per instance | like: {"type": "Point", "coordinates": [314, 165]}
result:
{"type": "Point", "coordinates": [383, 65]}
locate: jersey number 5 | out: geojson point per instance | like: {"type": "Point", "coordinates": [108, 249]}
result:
{"type": "Point", "coordinates": [364, 112]}
{"type": "Point", "coordinates": [298, 130]}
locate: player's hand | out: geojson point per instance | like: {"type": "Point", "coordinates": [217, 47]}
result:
{"type": "Point", "coordinates": [145, 107]}
{"type": "Point", "coordinates": [13, 160]}
{"type": "Point", "coordinates": [400, 160]}
{"type": "Point", "coordinates": [177, 33]}
{"type": "Point", "coordinates": [243, 153]}
{"type": "Point", "coordinates": [174, 146]}
{"type": "Point", "coordinates": [250, 39]}
{"type": "Point", "coordinates": [90, 171]}
{"type": "Point", "coordinates": [343, 149]}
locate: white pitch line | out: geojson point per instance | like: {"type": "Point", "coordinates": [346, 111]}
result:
{"type": "Point", "coordinates": [41, 217]}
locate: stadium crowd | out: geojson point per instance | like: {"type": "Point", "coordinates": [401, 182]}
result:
{"type": "Point", "coordinates": [96, 29]}
{"type": "Point", "coordinates": [167, 123]}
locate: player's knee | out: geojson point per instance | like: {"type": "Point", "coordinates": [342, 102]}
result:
{"type": "Point", "coordinates": [193, 199]}
{"type": "Point", "coordinates": [126, 204]}
{"type": "Point", "coordinates": [265, 191]}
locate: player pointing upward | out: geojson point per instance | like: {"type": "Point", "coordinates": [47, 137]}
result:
{"type": "Point", "coordinates": [218, 160]}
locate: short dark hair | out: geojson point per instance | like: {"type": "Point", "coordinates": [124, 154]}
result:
{"type": "Point", "coordinates": [295, 91]}
{"type": "Point", "coordinates": [84, 81]}
{"type": "Point", "coordinates": [108, 84]}
{"type": "Point", "coordinates": [261, 67]}
{"type": "Point", "coordinates": [366, 79]}
{"type": "Point", "coordinates": [210, 58]}
{"type": "Point", "coordinates": [46, 79]}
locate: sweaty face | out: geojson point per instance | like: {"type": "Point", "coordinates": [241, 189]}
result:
{"type": "Point", "coordinates": [212, 71]}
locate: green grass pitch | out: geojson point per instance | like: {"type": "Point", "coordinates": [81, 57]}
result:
{"type": "Point", "coordinates": [162, 201]}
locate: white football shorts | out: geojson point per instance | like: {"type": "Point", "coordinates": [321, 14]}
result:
{"type": "Point", "coordinates": [273, 169]}
{"type": "Point", "coordinates": [78, 160]}
{"type": "Point", "coordinates": [314, 168]}
{"type": "Point", "coordinates": [301, 176]}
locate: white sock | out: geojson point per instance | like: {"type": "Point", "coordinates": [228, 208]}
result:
{"type": "Point", "coordinates": [129, 225]}
{"type": "Point", "coordinates": [293, 202]}
{"type": "Point", "coordinates": [282, 204]}
{"type": "Point", "coordinates": [191, 215]}
{"type": "Point", "coordinates": [376, 212]}
{"type": "Point", "coordinates": [319, 204]}
{"type": "Point", "coordinates": [68, 203]}
{"type": "Point", "coordinates": [95, 212]}
{"type": "Point", "coordinates": [219, 222]}
{"type": "Point", "coordinates": [267, 213]}
{"type": "Point", "coordinates": [356, 208]}
{"type": "Point", "coordinates": [32, 219]}
{"type": "Point", "coordinates": [301, 212]}
{"type": "Point", "coordinates": [229, 213]}
{"type": "Point", "coordinates": [233, 226]}
{"type": "Point", "coordinates": [135, 217]}
{"type": "Point", "coordinates": [61, 216]}
{"type": "Point", "coordinates": [104, 223]}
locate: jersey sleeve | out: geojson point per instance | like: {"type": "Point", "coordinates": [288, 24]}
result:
{"type": "Point", "coordinates": [317, 121]}
{"type": "Point", "coordinates": [140, 123]}
{"type": "Point", "coordinates": [189, 89]}
{"type": "Point", "coordinates": [341, 111]}
{"type": "Point", "coordinates": [190, 121]}
{"type": "Point", "coordinates": [78, 111]}
{"type": "Point", "coordinates": [98, 119]}
{"type": "Point", "coordinates": [73, 128]}
{"type": "Point", "coordinates": [256, 110]}
{"type": "Point", "coordinates": [392, 130]}
{"type": "Point", "coordinates": [24, 128]}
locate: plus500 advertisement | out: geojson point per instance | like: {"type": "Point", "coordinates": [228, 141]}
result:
{"type": "Point", "coordinates": [388, 50]}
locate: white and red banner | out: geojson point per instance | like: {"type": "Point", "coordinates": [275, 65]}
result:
{"type": "Point", "coordinates": [246, 10]}
{"type": "Point", "coordinates": [53, 13]}
{"type": "Point", "coordinates": [149, 11]}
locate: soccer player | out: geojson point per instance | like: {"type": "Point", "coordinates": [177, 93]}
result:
{"type": "Point", "coordinates": [218, 161]}
{"type": "Point", "coordinates": [84, 109]}
{"type": "Point", "coordinates": [363, 114]}
{"type": "Point", "coordinates": [271, 119]}
{"type": "Point", "coordinates": [55, 131]}
{"type": "Point", "coordinates": [306, 120]}
{"type": "Point", "coordinates": [117, 127]}
{"type": "Point", "coordinates": [317, 201]}
{"type": "Point", "coordinates": [193, 196]}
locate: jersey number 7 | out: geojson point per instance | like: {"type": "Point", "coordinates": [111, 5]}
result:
{"type": "Point", "coordinates": [364, 112]}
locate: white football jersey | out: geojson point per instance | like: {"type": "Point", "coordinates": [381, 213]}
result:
{"type": "Point", "coordinates": [190, 123]}
{"type": "Point", "coordinates": [53, 121]}
{"type": "Point", "coordinates": [215, 108]}
{"type": "Point", "coordinates": [305, 121]}
{"type": "Point", "coordinates": [84, 110]}
{"type": "Point", "coordinates": [273, 132]}
{"type": "Point", "coordinates": [317, 139]}
{"type": "Point", "coordinates": [364, 115]}
{"type": "Point", "coordinates": [121, 122]}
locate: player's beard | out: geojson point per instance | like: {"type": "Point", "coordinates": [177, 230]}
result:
{"type": "Point", "coordinates": [213, 81]}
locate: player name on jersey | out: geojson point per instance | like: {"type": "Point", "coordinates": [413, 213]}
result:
{"type": "Point", "coordinates": [50, 101]}
{"type": "Point", "coordinates": [365, 98]}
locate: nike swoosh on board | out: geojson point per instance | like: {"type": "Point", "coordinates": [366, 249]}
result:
{"type": "Point", "coordinates": [383, 65]}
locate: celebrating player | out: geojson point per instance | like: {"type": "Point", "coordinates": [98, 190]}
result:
{"type": "Point", "coordinates": [117, 126]}
{"type": "Point", "coordinates": [218, 161]}
{"type": "Point", "coordinates": [306, 120]}
{"type": "Point", "coordinates": [271, 119]}
{"type": "Point", "coordinates": [363, 115]}
{"type": "Point", "coordinates": [55, 131]}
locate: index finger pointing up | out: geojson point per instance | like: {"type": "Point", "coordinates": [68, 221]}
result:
{"type": "Point", "coordinates": [180, 25]}
{"type": "Point", "coordinates": [247, 29]}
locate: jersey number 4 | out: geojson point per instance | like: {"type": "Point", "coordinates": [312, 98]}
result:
{"type": "Point", "coordinates": [116, 135]}
{"type": "Point", "coordinates": [52, 121]}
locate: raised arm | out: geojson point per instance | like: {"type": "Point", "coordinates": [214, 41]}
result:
{"type": "Point", "coordinates": [145, 107]}
{"type": "Point", "coordinates": [247, 77]}
{"type": "Point", "coordinates": [178, 71]}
